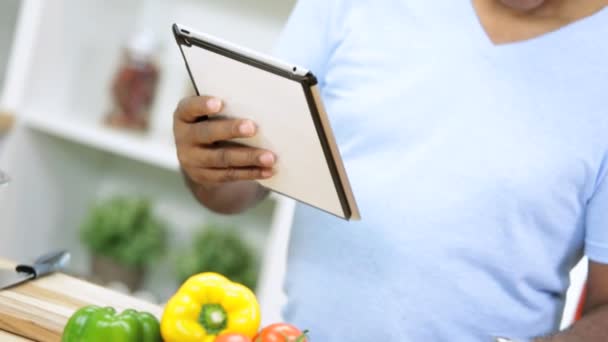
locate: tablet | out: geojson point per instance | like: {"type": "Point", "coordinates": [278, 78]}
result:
{"type": "Point", "coordinates": [284, 101]}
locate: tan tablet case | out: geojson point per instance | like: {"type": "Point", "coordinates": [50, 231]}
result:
{"type": "Point", "coordinates": [284, 102]}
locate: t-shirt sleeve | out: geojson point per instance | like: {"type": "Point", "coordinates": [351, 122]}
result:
{"type": "Point", "coordinates": [596, 236]}
{"type": "Point", "coordinates": [304, 39]}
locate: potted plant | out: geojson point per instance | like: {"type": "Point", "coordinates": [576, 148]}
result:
{"type": "Point", "coordinates": [124, 237]}
{"type": "Point", "coordinates": [218, 249]}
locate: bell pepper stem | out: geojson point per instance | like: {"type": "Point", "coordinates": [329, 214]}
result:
{"type": "Point", "coordinates": [213, 318]}
{"type": "Point", "coordinates": [302, 337]}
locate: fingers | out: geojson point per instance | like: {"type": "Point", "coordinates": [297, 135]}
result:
{"type": "Point", "coordinates": [191, 108]}
{"type": "Point", "coordinates": [231, 174]}
{"type": "Point", "coordinates": [211, 131]}
{"type": "Point", "coordinates": [204, 148]}
{"type": "Point", "coordinates": [231, 157]}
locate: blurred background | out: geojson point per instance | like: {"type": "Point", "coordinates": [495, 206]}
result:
{"type": "Point", "coordinates": [87, 92]}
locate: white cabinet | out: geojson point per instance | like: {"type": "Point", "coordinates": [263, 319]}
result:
{"type": "Point", "coordinates": [61, 158]}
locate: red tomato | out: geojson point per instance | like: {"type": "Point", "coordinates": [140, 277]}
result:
{"type": "Point", "coordinates": [280, 332]}
{"type": "Point", "coordinates": [232, 337]}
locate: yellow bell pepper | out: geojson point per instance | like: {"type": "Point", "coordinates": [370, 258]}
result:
{"type": "Point", "coordinates": [207, 305]}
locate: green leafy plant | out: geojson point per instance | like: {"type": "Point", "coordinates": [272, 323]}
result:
{"type": "Point", "coordinates": [125, 230]}
{"type": "Point", "coordinates": [218, 249]}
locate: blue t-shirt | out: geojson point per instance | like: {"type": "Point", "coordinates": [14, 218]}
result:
{"type": "Point", "coordinates": [479, 171]}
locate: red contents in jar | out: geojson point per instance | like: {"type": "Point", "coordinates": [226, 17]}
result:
{"type": "Point", "coordinates": [134, 87]}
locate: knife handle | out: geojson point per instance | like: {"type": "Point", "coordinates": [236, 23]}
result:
{"type": "Point", "coordinates": [45, 264]}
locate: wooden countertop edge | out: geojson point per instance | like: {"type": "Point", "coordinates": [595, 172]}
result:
{"type": "Point", "coordinates": [7, 120]}
{"type": "Point", "coordinates": [8, 337]}
{"type": "Point", "coordinates": [39, 309]}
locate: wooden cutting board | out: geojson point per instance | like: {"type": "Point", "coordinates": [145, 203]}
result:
{"type": "Point", "coordinates": [7, 121]}
{"type": "Point", "coordinates": [38, 310]}
{"type": "Point", "coordinates": [8, 337]}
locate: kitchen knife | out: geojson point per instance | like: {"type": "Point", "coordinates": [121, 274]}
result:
{"type": "Point", "coordinates": [45, 264]}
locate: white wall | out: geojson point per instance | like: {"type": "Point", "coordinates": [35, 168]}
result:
{"type": "Point", "coordinates": [8, 18]}
{"type": "Point", "coordinates": [74, 47]}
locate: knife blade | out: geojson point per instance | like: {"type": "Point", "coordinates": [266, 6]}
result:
{"type": "Point", "coordinates": [43, 265]}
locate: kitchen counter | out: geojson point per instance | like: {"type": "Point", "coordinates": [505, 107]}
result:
{"type": "Point", "coordinates": [38, 310]}
{"type": "Point", "coordinates": [8, 337]}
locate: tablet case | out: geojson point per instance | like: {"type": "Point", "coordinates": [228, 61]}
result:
{"type": "Point", "coordinates": [288, 111]}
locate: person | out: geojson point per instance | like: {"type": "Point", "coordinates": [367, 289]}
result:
{"type": "Point", "coordinates": [475, 137]}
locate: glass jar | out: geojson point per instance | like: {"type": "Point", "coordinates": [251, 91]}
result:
{"type": "Point", "coordinates": [134, 84]}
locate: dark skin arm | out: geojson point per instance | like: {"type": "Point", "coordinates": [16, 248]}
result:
{"type": "Point", "coordinates": [219, 173]}
{"type": "Point", "coordinates": [593, 327]}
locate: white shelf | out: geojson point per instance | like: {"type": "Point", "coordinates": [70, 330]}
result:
{"type": "Point", "coordinates": [47, 69]}
{"type": "Point", "coordinates": [274, 263]}
{"type": "Point", "coordinates": [139, 147]}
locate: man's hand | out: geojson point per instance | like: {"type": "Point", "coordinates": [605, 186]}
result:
{"type": "Point", "coordinates": [593, 327]}
{"type": "Point", "coordinates": [219, 171]}
{"type": "Point", "coordinates": [204, 149]}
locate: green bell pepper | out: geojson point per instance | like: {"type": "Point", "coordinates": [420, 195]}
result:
{"type": "Point", "coordinates": [97, 324]}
